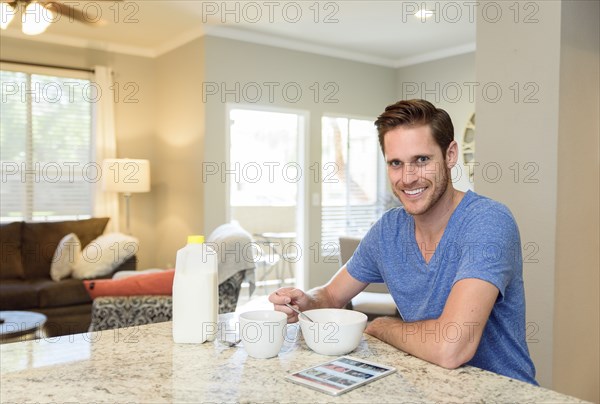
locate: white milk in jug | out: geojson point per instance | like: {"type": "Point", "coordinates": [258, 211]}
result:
{"type": "Point", "coordinates": [195, 293]}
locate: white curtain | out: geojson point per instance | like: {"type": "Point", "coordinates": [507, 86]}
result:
{"type": "Point", "coordinates": [106, 204]}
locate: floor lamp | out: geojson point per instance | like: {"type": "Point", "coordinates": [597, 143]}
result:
{"type": "Point", "coordinates": [126, 176]}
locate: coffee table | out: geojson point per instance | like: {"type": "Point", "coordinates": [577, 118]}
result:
{"type": "Point", "coordinates": [18, 326]}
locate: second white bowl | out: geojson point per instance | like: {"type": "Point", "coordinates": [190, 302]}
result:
{"type": "Point", "coordinates": [334, 331]}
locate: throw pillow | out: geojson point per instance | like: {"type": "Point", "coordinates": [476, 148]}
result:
{"type": "Point", "coordinates": [104, 254]}
{"type": "Point", "coordinates": [65, 257]}
{"type": "Point", "coordinates": [159, 283]}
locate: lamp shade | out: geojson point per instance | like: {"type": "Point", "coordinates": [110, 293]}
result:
{"type": "Point", "coordinates": [126, 175]}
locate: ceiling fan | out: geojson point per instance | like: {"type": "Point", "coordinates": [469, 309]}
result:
{"type": "Point", "coordinates": [37, 15]}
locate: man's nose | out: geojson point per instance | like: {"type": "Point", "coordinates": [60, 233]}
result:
{"type": "Point", "coordinates": [410, 174]}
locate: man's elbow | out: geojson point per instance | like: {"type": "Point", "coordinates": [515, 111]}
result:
{"type": "Point", "coordinates": [452, 355]}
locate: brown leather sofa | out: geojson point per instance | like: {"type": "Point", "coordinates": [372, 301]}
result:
{"type": "Point", "coordinates": [26, 253]}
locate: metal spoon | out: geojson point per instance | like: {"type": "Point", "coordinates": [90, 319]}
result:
{"type": "Point", "coordinates": [299, 312]}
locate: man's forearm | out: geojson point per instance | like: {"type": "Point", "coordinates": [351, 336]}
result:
{"type": "Point", "coordinates": [446, 344]}
{"type": "Point", "coordinates": [319, 297]}
{"type": "Point", "coordinates": [451, 339]}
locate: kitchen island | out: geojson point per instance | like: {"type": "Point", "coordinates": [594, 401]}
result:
{"type": "Point", "coordinates": [142, 364]}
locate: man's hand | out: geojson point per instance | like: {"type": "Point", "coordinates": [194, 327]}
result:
{"type": "Point", "coordinates": [336, 293]}
{"type": "Point", "coordinates": [293, 296]}
{"type": "Point", "coordinates": [450, 340]}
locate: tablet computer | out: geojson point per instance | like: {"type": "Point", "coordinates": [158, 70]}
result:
{"type": "Point", "coordinates": [340, 375]}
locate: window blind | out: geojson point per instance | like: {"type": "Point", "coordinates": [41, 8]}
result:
{"type": "Point", "coordinates": [47, 169]}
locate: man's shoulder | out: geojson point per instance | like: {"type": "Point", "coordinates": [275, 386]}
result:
{"type": "Point", "coordinates": [483, 212]}
{"type": "Point", "coordinates": [476, 204]}
{"type": "Point", "coordinates": [392, 225]}
{"type": "Point", "coordinates": [395, 217]}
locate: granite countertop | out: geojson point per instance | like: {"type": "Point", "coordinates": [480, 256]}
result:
{"type": "Point", "coordinates": [142, 364]}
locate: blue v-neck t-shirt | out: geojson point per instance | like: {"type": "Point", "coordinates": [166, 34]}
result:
{"type": "Point", "coordinates": [480, 241]}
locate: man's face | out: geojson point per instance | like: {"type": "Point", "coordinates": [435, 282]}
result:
{"type": "Point", "coordinates": [418, 173]}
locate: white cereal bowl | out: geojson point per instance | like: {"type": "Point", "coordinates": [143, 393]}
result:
{"type": "Point", "coordinates": [334, 331]}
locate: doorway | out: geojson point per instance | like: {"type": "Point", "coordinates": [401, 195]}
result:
{"type": "Point", "coordinates": [267, 188]}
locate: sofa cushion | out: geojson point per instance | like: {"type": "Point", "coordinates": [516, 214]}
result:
{"type": "Point", "coordinates": [18, 295]}
{"type": "Point", "coordinates": [11, 266]}
{"type": "Point", "coordinates": [67, 292]}
{"type": "Point", "coordinates": [39, 242]}
{"type": "Point", "coordinates": [157, 283]}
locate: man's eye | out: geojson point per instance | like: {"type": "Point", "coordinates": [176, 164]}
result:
{"type": "Point", "coordinates": [394, 163]}
{"type": "Point", "coordinates": [422, 159]}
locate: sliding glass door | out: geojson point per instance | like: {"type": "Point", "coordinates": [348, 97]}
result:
{"type": "Point", "coordinates": [266, 182]}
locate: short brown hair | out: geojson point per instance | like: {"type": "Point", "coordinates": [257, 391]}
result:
{"type": "Point", "coordinates": [413, 113]}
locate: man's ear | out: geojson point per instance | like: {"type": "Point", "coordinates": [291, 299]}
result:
{"type": "Point", "coordinates": [452, 154]}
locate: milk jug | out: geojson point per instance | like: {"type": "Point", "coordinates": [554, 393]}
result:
{"type": "Point", "coordinates": [195, 293]}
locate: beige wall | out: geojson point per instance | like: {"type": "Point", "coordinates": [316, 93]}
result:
{"type": "Point", "coordinates": [179, 142]}
{"type": "Point", "coordinates": [362, 90]}
{"type": "Point", "coordinates": [135, 116]}
{"type": "Point", "coordinates": [554, 142]}
{"type": "Point", "coordinates": [509, 133]}
{"type": "Point", "coordinates": [445, 83]}
{"type": "Point", "coordinates": [577, 301]}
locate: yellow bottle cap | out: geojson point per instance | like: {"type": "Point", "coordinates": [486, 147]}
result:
{"type": "Point", "coordinates": [195, 239]}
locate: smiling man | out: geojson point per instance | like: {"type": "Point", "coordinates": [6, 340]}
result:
{"type": "Point", "coordinates": [451, 260]}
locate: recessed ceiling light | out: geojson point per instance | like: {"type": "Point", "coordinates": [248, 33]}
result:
{"type": "Point", "coordinates": [423, 14]}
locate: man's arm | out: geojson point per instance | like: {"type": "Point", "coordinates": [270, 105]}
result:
{"type": "Point", "coordinates": [450, 340]}
{"type": "Point", "coordinates": [336, 293]}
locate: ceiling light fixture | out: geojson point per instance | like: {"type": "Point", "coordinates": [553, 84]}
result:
{"type": "Point", "coordinates": [37, 15]}
{"type": "Point", "coordinates": [35, 19]}
{"type": "Point", "coordinates": [7, 13]}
